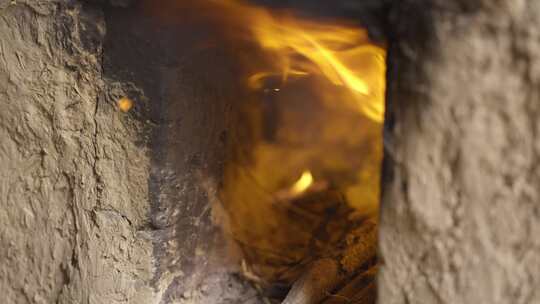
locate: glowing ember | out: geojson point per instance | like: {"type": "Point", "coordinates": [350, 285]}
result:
{"type": "Point", "coordinates": [303, 183]}
{"type": "Point", "coordinates": [124, 104]}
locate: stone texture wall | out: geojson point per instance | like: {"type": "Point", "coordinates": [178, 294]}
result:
{"type": "Point", "coordinates": [460, 213]}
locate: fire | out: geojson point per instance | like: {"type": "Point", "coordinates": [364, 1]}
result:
{"type": "Point", "coordinates": [337, 52]}
{"type": "Point", "coordinates": [256, 81]}
{"type": "Point", "coordinates": [341, 73]}
{"type": "Point", "coordinates": [310, 95]}
{"type": "Point", "coordinates": [303, 183]}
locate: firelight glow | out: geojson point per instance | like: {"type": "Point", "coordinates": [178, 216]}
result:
{"type": "Point", "coordinates": [303, 183]}
{"type": "Point", "coordinates": [338, 52]}
{"type": "Point", "coordinates": [306, 96]}
{"type": "Point", "coordinates": [256, 81]}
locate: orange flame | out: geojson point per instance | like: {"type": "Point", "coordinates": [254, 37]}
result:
{"type": "Point", "coordinates": [337, 52]}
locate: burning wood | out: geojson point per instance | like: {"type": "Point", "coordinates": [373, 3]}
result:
{"type": "Point", "coordinates": [360, 289]}
{"type": "Point", "coordinates": [326, 274]}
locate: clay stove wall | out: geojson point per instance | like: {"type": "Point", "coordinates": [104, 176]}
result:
{"type": "Point", "coordinates": [460, 213]}
{"type": "Point", "coordinates": [73, 178]}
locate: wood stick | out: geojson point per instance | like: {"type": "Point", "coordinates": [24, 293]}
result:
{"type": "Point", "coordinates": [358, 288]}
{"type": "Point", "coordinates": [315, 284]}
{"type": "Point", "coordinates": [326, 274]}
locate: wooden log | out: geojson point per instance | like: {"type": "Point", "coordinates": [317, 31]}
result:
{"type": "Point", "coordinates": [326, 274]}
{"type": "Point", "coordinates": [361, 289]}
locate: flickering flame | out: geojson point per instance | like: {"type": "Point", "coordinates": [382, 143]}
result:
{"type": "Point", "coordinates": [309, 40]}
{"type": "Point", "coordinates": [303, 183]}
{"type": "Point", "coordinates": [337, 52]}
{"type": "Point", "coordinates": [256, 81]}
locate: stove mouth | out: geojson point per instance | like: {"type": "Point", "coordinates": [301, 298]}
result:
{"type": "Point", "coordinates": [266, 124]}
{"type": "Point", "coordinates": [300, 194]}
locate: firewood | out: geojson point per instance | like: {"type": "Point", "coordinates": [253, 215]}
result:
{"type": "Point", "coordinates": [360, 246]}
{"type": "Point", "coordinates": [359, 290]}
{"type": "Point", "coordinates": [326, 274]}
{"type": "Point", "coordinates": [367, 295]}
{"type": "Point", "coordinates": [315, 284]}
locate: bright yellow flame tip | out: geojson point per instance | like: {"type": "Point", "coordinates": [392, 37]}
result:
{"type": "Point", "coordinates": [303, 183]}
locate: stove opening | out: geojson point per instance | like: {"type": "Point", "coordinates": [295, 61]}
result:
{"type": "Point", "coordinates": [299, 193]}
{"type": "Point", "coordinates": [301, 190]}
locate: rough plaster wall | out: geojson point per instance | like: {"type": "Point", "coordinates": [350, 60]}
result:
{"type": "Point", "coordinates": [460, 213]}
{"type": "Point", "coordinates": [73, 185]}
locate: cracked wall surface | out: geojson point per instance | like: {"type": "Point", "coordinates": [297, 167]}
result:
{"type": "Point", "coordinates": [460, 212]}
{"type": "Point", "coordinates": [73, 178]}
